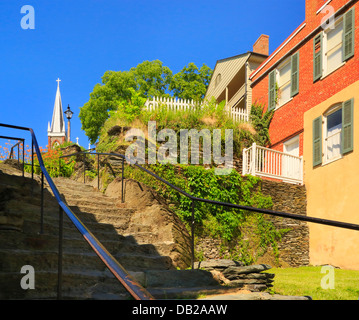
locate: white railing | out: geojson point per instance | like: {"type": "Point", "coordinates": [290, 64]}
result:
{"type": "Point", "coordinates": [264, 162]}
{"type": "Point", "coordinates": [171, 104]}
{"type": "Point", "coordinates": [238, 114]}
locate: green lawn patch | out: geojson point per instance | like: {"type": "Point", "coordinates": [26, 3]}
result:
{"type": "Point", "coordinates": [307, 281]}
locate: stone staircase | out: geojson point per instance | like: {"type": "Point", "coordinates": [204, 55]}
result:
{"type": "Point", "coordinates": [143, 241]}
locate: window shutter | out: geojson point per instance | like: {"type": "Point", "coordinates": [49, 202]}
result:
{"type": "Point", "coordinates": [348, 34]}
{"type": "Point", "coordinates": [295, 74]}
{"type": "Point", "coordinates": [317, 57]}
{"type": "Point", "coordinates": [272, 91]}
{"type": "Point", "coordinates": [317, 141]}
{"type": "Point", "coordinates": [347, 126]}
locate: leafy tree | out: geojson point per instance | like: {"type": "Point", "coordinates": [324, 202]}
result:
{"type": "Point", "coordinates": [191, 82]}
{"type": "Point", "coordinates": [150, 78]}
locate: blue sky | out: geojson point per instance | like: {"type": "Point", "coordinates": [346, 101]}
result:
{"type": "Point", "coordinates": [78, 40]}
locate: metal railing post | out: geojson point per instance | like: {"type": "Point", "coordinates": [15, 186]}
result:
{"type": "Point", "coordinates": [18, 154]}
{"type": "Point", "coordinates": [123, 175]}
{"type": "Point", "coordinates": [98, 171]}
{"type": "Point", "coordinates": [59, 265]}
{"type": "Point", "coordinates": [84, 169]}
{"type": "Point", "coordinates": [32, 159]}
{"type": "Point", "coordinates": [42, 203]}
{"type": "Point", "coordinates": [59, 167]}
{"type": "Point", "coordinates": [23, 158]}
{"type": "Point", "coordinates": [192, 235]}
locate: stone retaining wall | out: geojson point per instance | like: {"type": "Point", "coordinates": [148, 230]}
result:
{"type": "Point", "coordinates": [290, 198]}
{"type": "Point", "coordinates": [294, 247]}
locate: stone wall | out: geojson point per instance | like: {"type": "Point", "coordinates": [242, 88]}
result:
{"type": "Point", "coordinates": [294, 247]}
{"type": "Point", "coordinates": [290, 198]}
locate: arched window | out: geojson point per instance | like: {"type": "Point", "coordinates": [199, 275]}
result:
{"type": "Point", "coordinates": [333, 133]}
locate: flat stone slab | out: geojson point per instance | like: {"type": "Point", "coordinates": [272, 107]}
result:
{"type": "Point", "coordinates": [219, 264]}
{"type": "Point", "coordinates": [235, 271]}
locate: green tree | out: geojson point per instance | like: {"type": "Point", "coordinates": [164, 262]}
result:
{"type": "Point", "coordinates": [150, 78]}
{"type": "Point", "coordinates": [191, 82]}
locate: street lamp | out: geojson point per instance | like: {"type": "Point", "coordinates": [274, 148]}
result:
{"type": "Point", "coordinates": [68, 114]}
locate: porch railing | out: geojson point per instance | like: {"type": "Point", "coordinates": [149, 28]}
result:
{"type": "Point", "coordinates": [264, 162]}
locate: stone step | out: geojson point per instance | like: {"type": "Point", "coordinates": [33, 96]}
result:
{"type": "Point", "coordinates": [100, 230]}
{"type": "Point", "coordinates": [100, 210]}
{"type": "Point", "coordinates": [162, 284]}
{"type": "Point", "coordinates": [93, 201]}
{"type": "Point", "coordinates": [117, 216]}
{"type": "Point", "coordinates": [10, 239]}
{"type": "Point", "coordinates": [142, 237]}
{"type": "Point", "coordinates": [13, 260]}
{"type": "Point", "coordinates": [75, 285]}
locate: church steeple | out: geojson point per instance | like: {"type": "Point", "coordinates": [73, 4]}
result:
{"type": "Point", "coordinates": [56, 132]}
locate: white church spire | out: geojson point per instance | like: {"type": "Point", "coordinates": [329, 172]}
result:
{"type": "Point", "coordinates": [56, 132]}
{"type": "Point", "coordinates": [58, 123]}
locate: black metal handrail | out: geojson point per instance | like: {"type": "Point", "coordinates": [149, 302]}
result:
{"type": "Point", "coordinates": [294, 216]}
{"type": "Point", "coordinates": [128, 281]}
{"type": "Point", "coordinates": [21, 140]}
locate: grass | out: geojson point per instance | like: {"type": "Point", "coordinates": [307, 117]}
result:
{"type": "Point", "coordinates": [306, 281]}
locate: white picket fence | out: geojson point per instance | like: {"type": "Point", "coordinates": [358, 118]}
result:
{"type": "Point", "coordinates": [239, 115]}
{"type": "Point", "coordinates": [171, 104]}
{"type": "Point", "coordinates": [175, 104]}
{"type": "Point", "coordinates": [264, 162]}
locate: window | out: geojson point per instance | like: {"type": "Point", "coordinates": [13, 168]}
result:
{"type": "Point", "coordinates": [333, 46]}
{"type": "Point", "coordinates": [336, 126]}
{"type": "Point", "coordinates": [284, 82]}
{"type": "Point", "coordinates": [333, 130]}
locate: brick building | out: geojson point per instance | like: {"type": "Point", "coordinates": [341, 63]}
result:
{"type": "Point", "coordinates": [311, 81]}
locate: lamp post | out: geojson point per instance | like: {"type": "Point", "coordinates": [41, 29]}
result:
{"type": "Point", "coordinates": [68, 114]}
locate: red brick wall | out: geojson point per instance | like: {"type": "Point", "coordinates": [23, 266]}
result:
{"type": "Point", "coordinates": [262, 45]}
{"type": "Point", "coordinates": [288, 119]}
